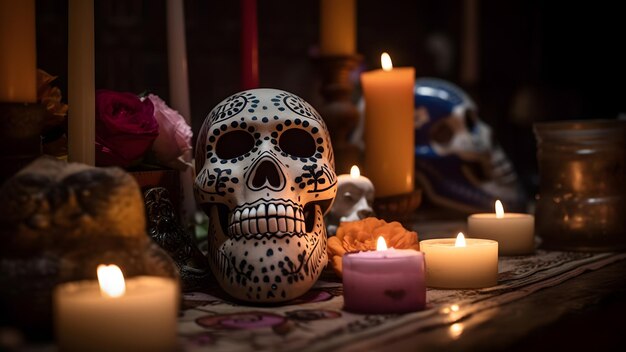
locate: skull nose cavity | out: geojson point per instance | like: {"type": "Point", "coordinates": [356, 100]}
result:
{"type": "Point", "coordinates": [266, 174]}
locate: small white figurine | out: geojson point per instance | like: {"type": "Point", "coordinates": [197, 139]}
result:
{"type": "Point", "coordinates": [354, 200]}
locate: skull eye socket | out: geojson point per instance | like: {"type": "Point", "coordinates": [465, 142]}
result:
{"type": "Point", "coordinates": [441, 132]}
{"type": "Point", "coordinates": [297, 142]}
{"type": "Point", "coordinates": [233, 144]}
{"type": "Point", "coordinates": [470, 119]}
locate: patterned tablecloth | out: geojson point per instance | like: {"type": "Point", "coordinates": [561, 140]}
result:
{"type": "Point", "coordinates": [316, 322]}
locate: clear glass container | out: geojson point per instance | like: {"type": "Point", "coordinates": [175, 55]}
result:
{"type": "Point", "coordinates": [581, 204]}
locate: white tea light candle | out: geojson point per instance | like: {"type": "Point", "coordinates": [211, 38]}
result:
{"type": "Point", "coordinates": [460, 263]}
{"type": "Point", "coordinates": [515, 232]}
{"type": "Point", "coordinates": [114, 314]}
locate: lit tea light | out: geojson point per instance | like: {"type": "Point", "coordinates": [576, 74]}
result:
{"type": "Point", "coordinates": [116, 314]}
{"type": "Point", "coordinates": [515, 232]}
{"type": "Point", "coordinates": [460, 262]}
{"type": "Point", "coordinates": [111, 280]}
{"type": "Point", "coordinates": [356, 179]}
{"type": "Point", "coordinates": [384, 281]}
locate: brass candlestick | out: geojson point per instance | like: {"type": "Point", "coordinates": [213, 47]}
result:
{"type": "Point", "coordinates": [20, 136]}
{"type": "Point", "coordinates": [339, 112]}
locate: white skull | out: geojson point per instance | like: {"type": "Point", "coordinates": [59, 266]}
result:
{"type": "Point", "coordinates": [354, 201]}
{"type": "Point", "coordinates": [266, 178]}
{"type": "Point", "coordinates": [452, 140]}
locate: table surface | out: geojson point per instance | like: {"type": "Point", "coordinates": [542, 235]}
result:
{"type": "Point", "coordinates": [585, 312]}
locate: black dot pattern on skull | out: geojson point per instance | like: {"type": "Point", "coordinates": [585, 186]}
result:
{"type": "Point", "coordinates": [265, 192]}
{"type": "Point", "coordinates": [285, 271]}
{"type": "Point", "coordinates": [231, 107]}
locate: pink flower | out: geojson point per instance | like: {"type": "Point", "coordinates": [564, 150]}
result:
{"type": "Point", "coordinates": [125, 128]}
{"type": "Point", "coordinates": [173, 145]}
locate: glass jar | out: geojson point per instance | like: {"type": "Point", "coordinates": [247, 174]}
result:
{"type": "Point", "coordinates": [581, 204]}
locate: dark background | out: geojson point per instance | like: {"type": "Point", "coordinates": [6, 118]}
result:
{"type": "Point", "coordinates": [537, 60]}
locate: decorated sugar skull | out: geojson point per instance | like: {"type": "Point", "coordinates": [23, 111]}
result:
{"type": "Point", "coordinates": [266, 177]}
{"type": "Point", "coordinates": [457, 161]}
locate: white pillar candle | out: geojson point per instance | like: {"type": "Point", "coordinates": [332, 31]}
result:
{"type": "Point", "coordinates": [514, 232]}
{"type": "Point", "coordinates": [136, 315]}
{"type": "Point", "coordinates": [384, 281]}
{"type": "Point", "coordinates": [460, 263]}
{"type": "Point", "coordinates": [81, 83]}
{"type": "Point", "coordinates": [18, 61]}
{"type": "Point", "coordinates": [337, 27]}
{"type": "Point", "coordinates": [179, 94]}
{"type": "Point", "coordinates": [389, 128]}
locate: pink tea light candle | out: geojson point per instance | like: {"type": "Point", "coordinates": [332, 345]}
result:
{"type": "Point", "coordinates": [460, 263]}
{"type": "Point", "coordinates": [384, 281]}
{"type": "Point", "coordinates": [514, 232]}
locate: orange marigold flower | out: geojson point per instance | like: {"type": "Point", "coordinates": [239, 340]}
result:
{"type": "Point", "coordinates": [361, 235]}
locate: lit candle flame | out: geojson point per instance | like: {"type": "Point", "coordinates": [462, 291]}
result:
{"type": "Point", "coordinates": [385, 62]}
{"type": "Point", "coordinates": [499, 209]}
{"type": "Point", "coordinates": [111, 280]}
{"type": "Point", "coordinates": [381, 245]}
{"type": "Point", "coordinates": [460, 240]}
{"type": "Point", "coordinates": [355, 172]}
{"type": "Point", "coordinates": [455, 308]}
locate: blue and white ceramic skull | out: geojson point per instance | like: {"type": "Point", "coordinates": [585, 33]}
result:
{"type": "Point", "coordinates": [457, 161]}
{"type": "Point", "coordinates": [266, 177]}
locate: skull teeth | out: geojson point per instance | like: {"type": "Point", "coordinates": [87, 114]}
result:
{"type": "Point", "coordinates": [264, 219]}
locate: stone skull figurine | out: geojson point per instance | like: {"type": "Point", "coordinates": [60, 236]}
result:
{"type": "Point", "coordinates": [266, 177]}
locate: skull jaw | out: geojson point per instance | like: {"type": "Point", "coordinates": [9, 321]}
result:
{"type": "Point", "coordinates": [267, 269]}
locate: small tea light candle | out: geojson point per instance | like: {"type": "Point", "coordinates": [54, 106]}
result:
{"type": "Point", "coordinates": [514, 232]}
{"type": "Point", "coordinates": [113, 314]}
{"type": "Point", "coordinates": [356, 178]}
{"type": "Point", "coordinates": [384, 281]}
{"type": "Point", "coordinates": [460, 263]}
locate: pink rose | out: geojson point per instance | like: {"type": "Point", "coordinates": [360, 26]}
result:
{"type": "Point", "coordinates": [125, 128]}
{"type": "Point", "coordinates": [173, 145]}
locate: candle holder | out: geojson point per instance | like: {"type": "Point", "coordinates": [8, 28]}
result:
{"type": "Point", "coordinates": [338, 111]}
{"type": "Point", "coordinates": [582, 194]}
{"type": "Point", "coordinates": [20, 136]}
{"type": "Point", "coordinates": [398, 207]}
